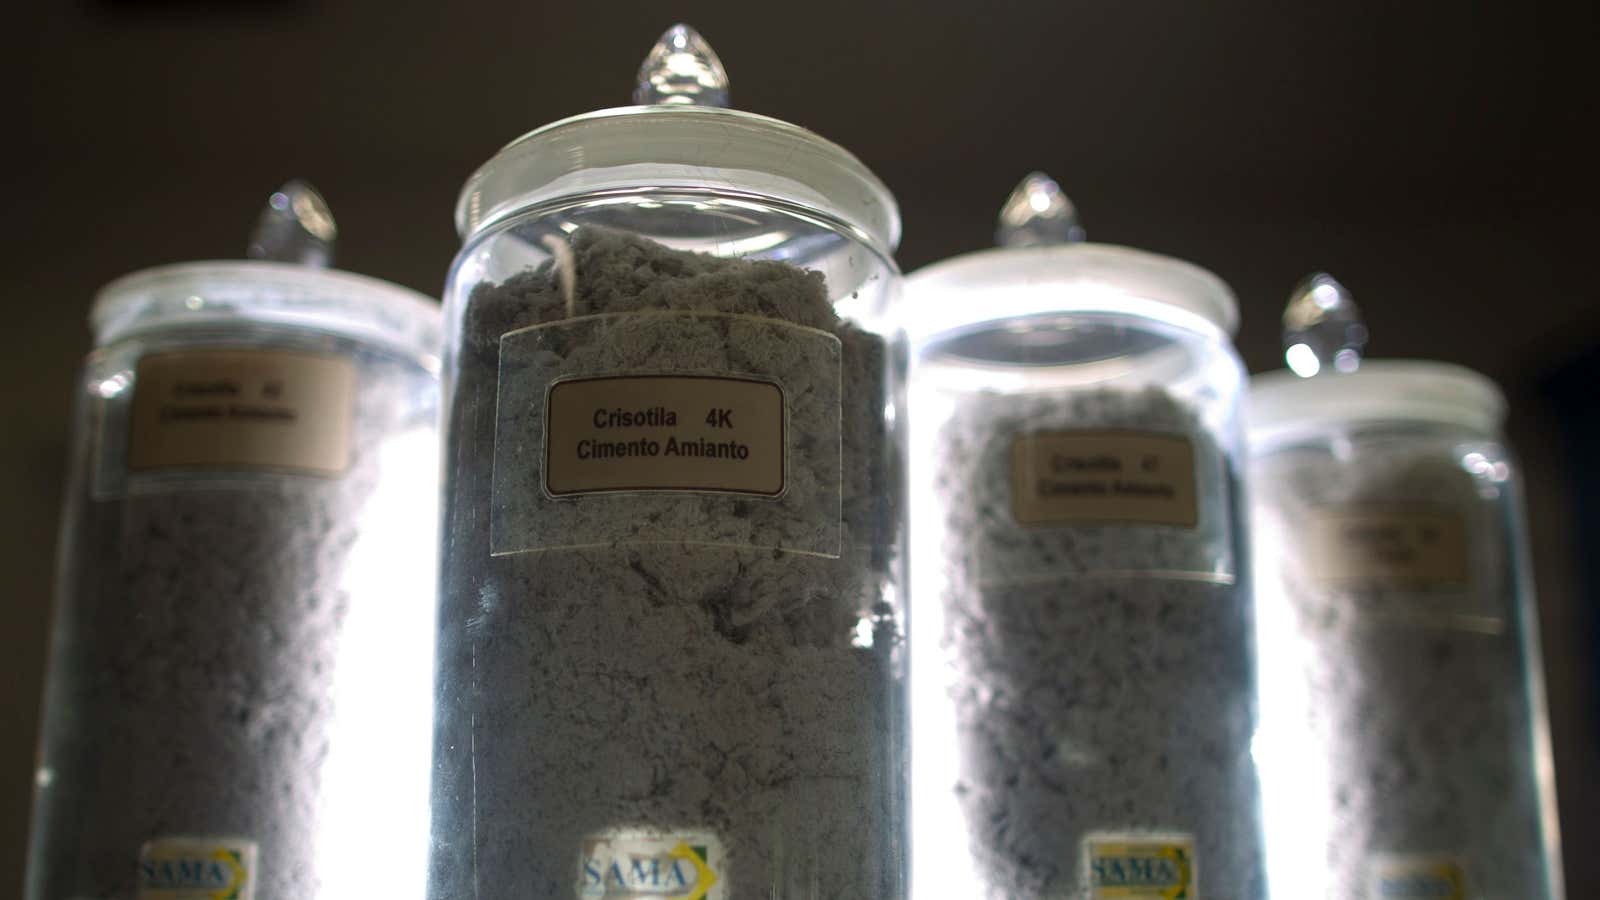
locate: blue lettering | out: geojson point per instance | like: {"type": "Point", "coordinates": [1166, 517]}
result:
{"type": "Point", "coordinates": [1111, 872]}
{"type": "Point", "coordinates": [1135, 871]}
{"type": "Point", "coordinates": [629, 874]}
{"type": "Point", "coordinates": [641, 877]}
{"type": "Point", "coordinates": [184, 873]}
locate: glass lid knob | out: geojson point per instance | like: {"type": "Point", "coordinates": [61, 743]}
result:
{"type": "Point", "coordinates": [1036, 214]}
{"type": "Point", "coordinates": [682, 68]}
{"type": "Point", "coordinates": [1322, 328]}
{"type": "Point", "coordinates": [296, 226]}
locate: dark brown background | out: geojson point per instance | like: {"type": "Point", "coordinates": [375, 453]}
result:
{"type": "Point", "coordinates": [1435, 156]}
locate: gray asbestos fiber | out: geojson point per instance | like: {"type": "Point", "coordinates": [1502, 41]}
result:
{"type": "Point", "coordinates": [194, 681]}
{"type": "Point", "coordinates": [722, 686]}
{"type": "Point", "coordinates": [1100, 674]}
{"type": "Point", "coordinates": [1414, 695]}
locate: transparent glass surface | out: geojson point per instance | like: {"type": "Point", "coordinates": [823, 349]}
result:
{"type": "Point", "coordinates": [1082, 706]}
{"type": "Point", "coordinates": [256, 293]}
{"type": "Point", "coordinates": [238, 652]}
{"type": "Point", "coordinates": [1404, 743]}
{"type": "Point", "coordinates": [651, 679]}
{"type": "Point", "coordinates": [1323, 330]}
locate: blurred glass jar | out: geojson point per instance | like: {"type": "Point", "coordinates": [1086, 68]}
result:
{"type": "Point", "coordinates": [1404, 745]}
{"type": "Point", "coordinates": [1082, 651]}
{"type": "Point", "coordinates": [243, 627]}
{"type": "Point", "coordinates": [671, 650]}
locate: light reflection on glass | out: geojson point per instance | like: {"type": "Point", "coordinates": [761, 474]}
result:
{"type": "Point", "coordinates": [751, 245]}
{"type": "Point", "coordinates": [1037, 214]}
{"type": "Point", "coordinates": [682, 69]}
{"type": "Point", "coordinates": [862, 637]}
{"type": "Point", "coordinates": [1322, 328]}
{"type": "Point", "coordinates": [940, 840]}
{"type": "Point", "coordinates": [114, 385]}
{"type": "Point", "coordinates": [295, 226]}
{"type": "Point", "coordinates": [373, 836]}
{"type": "Point", "coordinates": [1291, 761]}
{"type": "Point", "coordinates": [1302, 360]}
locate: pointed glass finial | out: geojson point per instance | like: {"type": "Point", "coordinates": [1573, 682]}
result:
{"type": "Point", "coordinates": [1038, 214]}
{"type": "Point", "coordinates": [682, 68]}
{"type": "Point", "coordinates": [1322, 328]}
{"type": "Point", "coordinates": [295, 227]}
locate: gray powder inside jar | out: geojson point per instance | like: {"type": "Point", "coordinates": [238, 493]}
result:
{"type": "Point", "coordinates": [218, 637]}
{"type": "Point", "coordinates": [722, 687]}
{"type": "Point", "coordinates": [1409, 698]}
{"type": "Point", "coordinates": [1101, 674]}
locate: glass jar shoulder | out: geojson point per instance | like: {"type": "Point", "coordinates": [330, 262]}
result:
{"type": "Point", "coordinates": [1089, 354]}
{"type": "Point", "coordinates": [1402, 458]}
{"type": "Point", "coordinates": [663, 249]}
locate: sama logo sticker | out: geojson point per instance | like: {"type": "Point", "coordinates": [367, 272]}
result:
{"type": "Point", "coordinates": [636, 864]}
{"type": "Point", "coordinates": [197, 869]}
{"type": "Point", "coordinates": [1416, 878]}
{"type": "Point", "coordinates": [1141, 867]}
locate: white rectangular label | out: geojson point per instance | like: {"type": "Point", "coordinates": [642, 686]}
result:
{"type": "Point", "coordinates": [242, 409]}
{"type": "Point", "coordinates": [1416, 878]}
{"type": "Point", "coordinates": [199, 868]}
{"type": "Point", "coordinates": [1136, 866]}
{"type": "Point", "coordinates": [1086, 477]}
{"type": "Point", "coordinates": [675, 427]}
{"type": "Point", "coordinates": [637, 864]}
{"type": "Point", "coordinates": [1387, 544]}
{"type": "Point", "coordinates": [664, 433]}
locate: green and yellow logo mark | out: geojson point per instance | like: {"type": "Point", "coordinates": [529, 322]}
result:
{"type": "Point", "coordinates": [632, 864]}
{"type": "Point", "coordinates": [1123, 867]}
{"type": "Point", "coordinates": [196, 869]}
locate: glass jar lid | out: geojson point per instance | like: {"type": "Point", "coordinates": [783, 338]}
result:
{"type": "Point", "coordinates": [680, 140]}
{"type": "Point", "coordinates": [239, 293]}
{"type": "Point", "coordinates": [1042, 268]}
{"type": "Point", "coordinates": [1282, 404]}
{"type": "Point", "coordinates": [1009, 282]}
{"type": "Point", "coordinates": [285, 283]}
{"type": "Point", "coordinates": [1330, 384]}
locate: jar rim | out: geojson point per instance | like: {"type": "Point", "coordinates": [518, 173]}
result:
{"type": "Point", "coordinates": [1016, 282]}
{"type": "Point", "coordinates": [230, 292]}
{"type": "Point", "coordinates": [679, 146]}
{"type": "Point", "coordinates": [1281, 404]}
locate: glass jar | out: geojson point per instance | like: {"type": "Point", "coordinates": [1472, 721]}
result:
{"type": "Point", "coordinates": [244, 612]}
{"type": "Point", "coordinates": [671, 625]}
{"type": "Point", "coordinates": [1082, 690]}
{"type": "Point", "coordinates": [1404, 746]}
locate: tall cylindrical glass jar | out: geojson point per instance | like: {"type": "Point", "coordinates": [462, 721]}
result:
{"type": "Point", "coordinates": [1404, 743]}
{"type": "Point", "coordinates": [671, 652]}
{"type": "Point", "coordinates": [1082, 695]}
{"type": "Point", "coordinates": [244, 621]}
